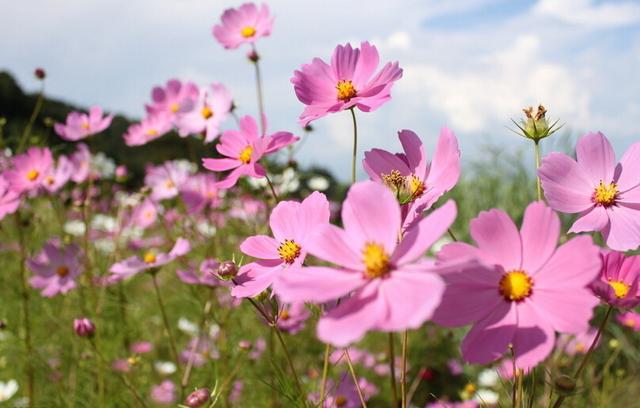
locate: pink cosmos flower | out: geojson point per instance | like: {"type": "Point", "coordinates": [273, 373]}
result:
{"type": "Point", "coordinates": [84, 327]}
{"type": "Point", "coordinates": [619, 280]}
{"type": "Point", "coordinates": [345, 394]}
{"type": "Point", "coordinates": [391, 290]}
{"type": "Point", "coordinates": [199, 350]}
{"type": "Point", "coordinates": [81, 161]}
{"type": "Point", "coordinates": [605, 193]}
{"type": "Point", "coordinates": [292, 317]}
{"type": "Point", "coordinates": [145, 214]}
{"type": "Point", "coordinates": [55, 268]}
{"type": "Point", "coordinates": [578, 344]}
{"type": "Point", "coordinates": [29, 170]}
{"type": "Point", "coordinates": [81, 125]}
{"type": "Point", "coordinates": [347, 83]}
{"type": "Point", "coordinates": [205, 275]}
{"type": "Point", "coordinates": [172, 99]}
{"type": "Point", "coordinates": [630, 319]}
{"type": "Point", "coordinates": [244, 148]}
{"type": "Point", "coordinates": [526, 290]}
{"type": "Point", "coordinates": [9, 199]}
{"type": "Point", "coordinates": [141, 347]}
{"type": "Point", "coordinates": [166, 180]}
{"type": "Point", "coordinates": [416, 182]}
{"type": "Point", "coordinates": [210, 109]}
{"type": "Point", "coordinates": [449, 404]}
{"type": "Point", "coordinates": [151, 259]}
{"type": "Point", "coordinates": [164, 393]}
{"type": "Point", "coordinates": [294, 226]}
{"type": "Point", "coordinates": [149, 128]}
{"type": "Point", "coordinates": [59, 175]}
{"type": "Point", "coordinates": [200, 192]}
{"type": "Point", "coordinates": [243, 25]}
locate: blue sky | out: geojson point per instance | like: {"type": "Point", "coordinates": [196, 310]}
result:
{"type": "Point", "coordinates": [470, 65]}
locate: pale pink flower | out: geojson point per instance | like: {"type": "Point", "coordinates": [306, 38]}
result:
{"type": "Point", "coordinates": [150, 128]}
{"type": "Point", "coordinates": [145, 214]}
{"type": "Point", "coordinates": [55, 268]}
{"type": "Point", "coordinates": [344, 394]}
{"type": "Point", "coordinates": [200, 192]}
{"type": "Point", "coordinates": [606, 194]}
{"type": "Point", "coordinates": [80, 125]}
{"type": "Point", "coordinates": [204, 276]}
{"type": "Point", "coordinates": [390, 290]}
{"type": "Point", "coordinates": [348, 82]}
{"type": "Point", "coordinates": [577, 344]}
{"type": "Point", "coordinates": [174, 98]}
{"type": "Point", "coordinates": [81, 162]}
{"type": "Point", "coordinates": [59, 175]}
{"type": "Point", "coordinates": [141, 347]}
{"type": "Point", "coordinates": [630, 319]}
{"type": "Point", "coordinates": [294, 226]}
{"type": "Point", "coordinates": [243, 150]}
{"type": "Point", "coordinates": [243, 25]}
{"type": "Point", "coordinates": [524, 291]}
{"type": "Point", "coordinates": [416, 182]}
{"type": "Point", "coordinates": [209, 110]}
{"type": "Point", "coordinates": [9, 199]}
{"type": "Point", "coordinates": [292, 317]}
{"type": "Point", "coordinates": [166, 180]}
{"type": "Point", "coordinates": [152, 259]}
{"type": "Point", "coordinates": [29, 169]}
{"type": "Point", "coordinates": [164, 393]}
{"type": "Point", "coordinates": [619, 280]}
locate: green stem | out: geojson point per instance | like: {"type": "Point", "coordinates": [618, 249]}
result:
{"type": "Point", "coordinates": [355, 379]}
{"type": "Point", "coordinates": [451, 234]}
{"type": "Point", "coordinates": [273, 190]}
{"type": "Point", "coordinates": [325, 372]}
{"type": "Point", "coordinates": [259, 91]}
{"type": "Point", "coordinates": [194, 349]}
{"type": "Point", "coordinates": [403, 375]}
{"type": "Point", "coordinates": [392, 371]}
{"type": "Point", "coordinates": [27, 130]}
{"type": "Point", "coordinates": [288, 357]}
{"type": "Point", "coordinates": [355, 146]}
{"type": "Point", "coordinates": [165, 320]}
{"type": "Point", "coordinates": [538, 183]}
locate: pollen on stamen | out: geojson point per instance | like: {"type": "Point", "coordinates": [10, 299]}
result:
{"type": "Point", "coordinates": [62, 271]}
{"type": "Point", "coordinates": [346, 90]}
{"type": "Point", "coordinates": [248, 32]}
{"type": "Point", "coordinates": [85, 125]}
{"type": "Point", "coordinates": [149, 257]}
{"type": "Point", "coordinates": [206, 112]}
{"type": "Point", "coordinates": [515, 286]}
{"type": "Point", "coordinates": [245, 155]}
{"type": "Point", "coordinates": [174, 107]}
{"type": "Point", "coordinates": [376, 260]}
{"type": "Point", "coordinates": [152, 132]}
{"type": "Point", "coordinates": [32, 175]}
{"type": "Point", "coordinates": [605, 194]}
{"type": "Point", "coordinates": [620, 289]}
{"type": "Point", "coordinates": [289, 251]}
{"type": "Point", "coordinates": [416, 186]}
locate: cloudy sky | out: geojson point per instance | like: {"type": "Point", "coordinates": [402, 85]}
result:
{"type": "Point", "coordinates": [470, 65]}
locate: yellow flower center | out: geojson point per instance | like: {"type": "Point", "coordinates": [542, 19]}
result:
{"type": "Point", "coordinates": [605, 194]}
{"type": "Point", "coordinates": [174, 107]}
{"type": "Point", "coordinates": [248, 32]}
{"type": "Point", "coordinates": [346, 90]}
{"type": "Point", "coordinates": [152, 132]}
{"type": "Point", "coordinates": [580, 347]}
{"type": "Point", "coordinates": [85, 125]}
{"type": "Point", "coordinates": [289, 250]}
{"type": "Point", "coordinates": [32, 175]}
{"type": "Point", "coordinates": [376, 260]}
{"type": "Point", "coordinates": [395, 180]}
{"type": "Point", "coordinates": [169, 184]}
{"type": "Point", "coordinates": [406, 188]}
{"type": "Point", "coordinates": [206, 112]}
{"type": "Point", "coordinates": [620, 288]}
{"type": "Point", "coordinates": [416, 186]}
{"type": "Point", "coordinates": [245, 155]}
{"type": "Point", "coordinates": [50, 180]}
{"type": "Point", "coordinates": [62, 271]}
{"type": "Point", "coordinates": [470, 388]}
{"type": "Point", "coordinates": [515, 286]}
{"type": "Point", "coordinates": [629, 322]}
{"type": "Point", "coordinates": [149, 257]}
{"type": "Point", "coordinates": [341, 401]}
{"type": "Point", "coordinates": [284, 315]}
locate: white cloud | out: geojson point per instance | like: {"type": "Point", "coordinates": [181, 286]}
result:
{"type": "Point", "coordinates": [587, 12]}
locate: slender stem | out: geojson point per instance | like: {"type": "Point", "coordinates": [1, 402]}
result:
{"type": "Point", "coordinates": [259, 91]}
{"type": "Point", "coordinates": [355, 379]}
{"type": "Point", "coordinates": [27, 130]}
{"type": "Point", "coordinates": [25, 310]}
{"type": "Point", "coordinates": [196, 344]}
{"type": "Point", "coordinates": [165, 319]}
{"type": "Point", "coordinates": [538, 184]}
{"type": "Point", "coordinates": [392, 371]}
{"type": "Point", "coordinates": [273, 190]}
{"type": "Point", "coordinates": [288, 357]}
{"type": "Point", "coordinates": [325, 372]}
{"type": "Point", "coordinates": [452, 235]}
{"type": "Point", "coordinates": [587, 356]}
{"type": "Point", "coordinates": [355, 145]}
{"type": "Point", "coordinates": [514, 391]}
{"type": "Point", "coordinates": [403, 375]}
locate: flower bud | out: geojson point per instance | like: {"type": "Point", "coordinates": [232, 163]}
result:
{"type": "Point", "coordinates": [197, 398]}
{"type": "Point", "coordinates": [84, 327]}
{"type": "Point", "coordinates": [40, 74]}
{"type": "Point", "coordinates": [227, 270]}
{"type": "Point", "coordinates": [253, 56]}
{"type": "Point", "coordinates": [535, 126]}
{"type": "Point", "coordinates": [565, 385]}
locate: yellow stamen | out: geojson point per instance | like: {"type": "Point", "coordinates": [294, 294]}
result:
{"type": "Point", "coordinates": [62, 271]}
{"type": "Point", "coordinates": [284, 315]}
{"type": "Point", "coordinates": [174, 107]}
{"type": "Point", "coordinates": [169, 184]}
{"type": "Point", "coordinates": [515, 285]}
{"type": "Point", "coordinates": [620, 288]}
{"type": "Point", "coordinates": [376, 260]}
{"type": "Point", "coordinates": [581, 348]}
{"type": "Point", "coordinates": [470, 389]}
{"type": "Point", "coordinates": [32, 175]}
{"type": "Point", "coordinates": [149, 257]}
{"type": "Point", "coordinates": [341, 401]}
{"type": "Point", "coordinates": [50, 180]}
{"type": "Point", "coordinates": [248, 31]}
{"type": "Point", "coordinates": [346, 90]}
{"type": "Point", "coordinates": [416, 186]}
{"type": "Point", "coordinates": [152, 132]}
{"type": "Point", "coordinates": [85, 125]}
{"type": "Point", "coordinates": [605, 194]}
{"type": "Point", "coordinates": [245, 155]}
{"type": "Point", "coordinates": [289, 250]}
{"type": "Point", "coordinates": [395, 180]}
{"type": "Point", "coordinates": [206, 112]}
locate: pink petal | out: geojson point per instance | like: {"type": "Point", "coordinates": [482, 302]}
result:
{"type": "Point", "coordinates": [260, 246]}
{"type": "Point", "coordinates": [344, 60]}
{"type": "Point", "coordinates": [488, 339]}
{"type": "Point", "coordinates": [596, 157]}
{"type": "Point", "coordinates": [379, 162]}
{"type": "Point", "coordinates": [594, 219]}
{"type": "Point", "coordinates": [540, 232]}
{"type": "Point", "coordinates": [566, 185]}
{"type": "Point", "coordinates": [534, 339]}
{"type": "Point", "coordinates": [567, 309]}
{"type": "Point", "coordinates": [316, 284]}
{"type": "Point", "coordinates": [220, 164]}
{"type": "Point", "coordinates": [333, 244]}
{"type": "Point", "coordinates": [574, 265]}
{"type": "Point", "coordinates": [498, 238]}
{"type": "Point", "coordinates": [284, 220]}
{"type": "Point", "coordinates": [414, 151]}
{"type": "Point", "coordinates": [630, 168]}
{"type": "Point", "coordinates": [444, 171]}
{"type": "Point", "coordinates": [624, 229]}
{"type": "Point", "coordinates": [254, 278]}
{"type": "Point", "coordinates": [366, 65]}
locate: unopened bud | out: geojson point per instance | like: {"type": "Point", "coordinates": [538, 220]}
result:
{"type": "Point", "coordinates": [535, 126]}
{"type": "Point", "coordinates": [84, 327]}
{"type": "Point", "coordinates": [40, 74]}
{"type": "Point", "coordinates": [227, 270]}
{"type": "Point", "coordinates": [565, 385]}
{"type": "Point", "coordinates": [3, 325]}
{"type": "Point", "coordinates": [253, 56]}
{"type": "Point", "coordinates": [197, 398]}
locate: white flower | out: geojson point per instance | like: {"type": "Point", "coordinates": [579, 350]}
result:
{"type": "Point", "coordinates": [188, 326]}
{"type": "Point", "coordinates": [488, 378]}
{"type": "Point", "coordinates": [288, 181]}
{"type": "Point", "coordinates": [206, 229]}
{"type": "Point", "coordinates": [486, 397]}
{"type": "Point", "coordinates": [257, 183]}
{"type": "Point", "coordinates": [103, 165]}
{"type": "Point", "coordinates": [186, 165]}
{"type": "Point", "coordinates": [106, 246]}
{"type": "Point", "coordinates": [128, 200]}
{"type": "Point", "coordinates": [104, 223]}
{"type": "Point", "coordinates": [164, 367]}
{"type": "Point", "coordinates": [318, 183]}
{"type": "Point", "coordinates": [8, 389]}
{"type": "Point", "coordinates": [74, 227]}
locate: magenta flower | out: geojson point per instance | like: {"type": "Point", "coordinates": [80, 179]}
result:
{"type": "Point", "coordinates": [81, 125]}
{"type": "Point", "coordinates": [59, 175]}
{"type": "Point", "coordinates": [164, 393]}
{"type": "Point", "coordinates": [578, 344]}
{"type": "Point", "coordinates": [55, 268]}
{"type": "Point", "coordinates": [416, 182]}
{"type": "Point", "coordinates": [292, 317]}
{"type": "Point", "coordinates": [166, 180]}
{"type": "Point", "coordinates": [347, 83]}
{"type": "Point", "coordinates": [174, 98]}
{"type": "Point", "coordinates": [149, 128]}
{"type": "Point", "coordinates": [526, 290]}
{"type": "Point", "coordinates": [391, 290]}
{"type": "Point", "coordinates": [141, 347]}
{"type": "Point", "coordinates": [145, 214]}
{"type": "Point", "coordinates": [200, 192]}
{"type": "Point", "coordinates": [210, 109]}
{"type": "Point", "coordinates": [244, 148]}
{"type": "Point", "coordinates": [29, 170]}
{"type": "Point", "coordinates": [205, 275]}
{"type": "Point", "coordinates": [152, 259]}
{"type": "Point", "coordinates": [81, 162]}
{"type": "Point", "coordinates": [84, 327]}
{"type": "Point", "coordinates": [344, 394]}
{"type": "Point", "coordinates": [619, 280]}
{"type": "Point", "coordinates": [9, 199]}
{"type": "Point", "coordinates": [243, 25]}
{"type": "Point", "coordinates": [294, 226]}
{"type": "Point", "coordinates": [630, 319]}
{"type": "Point", "coordinates": [606, 194]}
